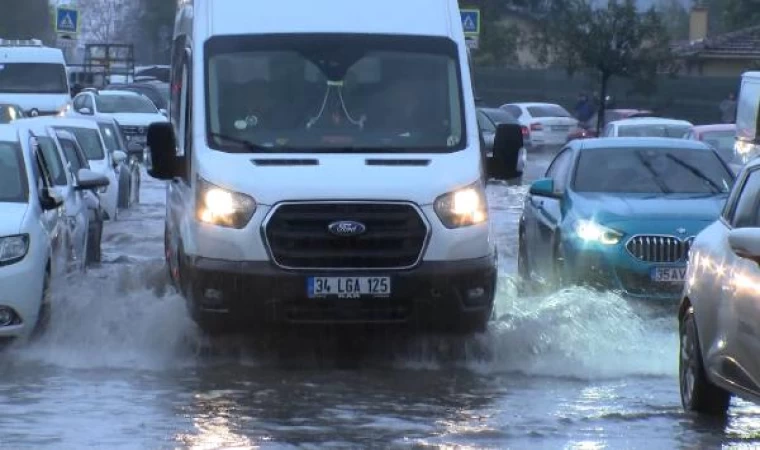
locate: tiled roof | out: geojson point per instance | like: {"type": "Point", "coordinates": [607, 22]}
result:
{"type": "Point", "coordinates": [743, 43]}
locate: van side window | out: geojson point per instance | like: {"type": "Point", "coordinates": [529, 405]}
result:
{"type": "Point", "coordinates": [178, 60]}
{"type": "Point", "coordinates": [187, 106]}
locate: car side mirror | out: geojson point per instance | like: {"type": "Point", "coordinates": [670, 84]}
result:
{"type": "Point", "coordinates": [162, 159]}
{"type": "Point", "coordinates": [85, 111]}
{"type": "Point", "coordinates": [507, 144]}
{"type": "Point", "coordinates": [50, 199]}
{"type": "Point", "coordinates": [118, 157]}
{"type": "Point", "coordinates": [87, 180]}
{"type": "Point", "coordinates": [543, 188]}
{"type": "Point", "coordinates": [164, 112]}
{"type": "Point", "coordinates": [745, 242]}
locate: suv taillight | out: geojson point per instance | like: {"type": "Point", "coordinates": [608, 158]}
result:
{"type": "Point", "coordinates": [525, 131]}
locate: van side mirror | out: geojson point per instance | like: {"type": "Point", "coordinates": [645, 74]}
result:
{"type": "Point", "coordinates": [745, 242]}
{"type": "Point", "coordinates": [507, 144]}
{"type": "Point", "coordinates": [164, 163]}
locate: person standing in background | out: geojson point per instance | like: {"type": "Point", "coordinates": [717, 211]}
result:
{"type": "Point", "coordinates": [728, 109]}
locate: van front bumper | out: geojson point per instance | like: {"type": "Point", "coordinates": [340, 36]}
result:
{"type": "Point", "coordinates": [433, 294]}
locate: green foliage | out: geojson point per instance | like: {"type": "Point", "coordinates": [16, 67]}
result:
{"type": "Point", "coordinates": [28, 19]}
{"type": "Point", "coordinates": [739, 14]}
{"type": "Point", "coordinates": [616, 41]}
{"type": "Point", "coordinates": [675, 17]}
{"type": "Point", "coordinates": [157, 24]}
{"type": "Point", "coordinates": [498, 45]}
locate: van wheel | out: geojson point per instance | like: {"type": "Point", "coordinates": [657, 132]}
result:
{"type": "Point", "coordinates": [211, 324]}
{"type": "Point", "coordinates": [698, 394]}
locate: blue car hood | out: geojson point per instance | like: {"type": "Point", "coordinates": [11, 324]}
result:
{"type": "Point", "coordinates": [640, 208]}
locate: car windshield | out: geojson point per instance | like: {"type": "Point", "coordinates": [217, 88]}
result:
{"type": "Point", "coordinates": [33, 78]}
{"type": "Point", "coordinates": [114, 104]}
{"type": "Point", "coordinates": [328, 93]}
{"type": "Point", "coordinates": [653, 130]}
{"type": "Point", "coordinates": [548, 111]}
{"type": "Point", "coordinates": [13, 183]}
{"type": "Point", "coordinates": [110, 137]}
{"type": "Point", "coordinates": [651, 171]}
{"type": "Point", "coordinates": [723, 141]}
{"type": "Point", "coordinates": [89, 140]}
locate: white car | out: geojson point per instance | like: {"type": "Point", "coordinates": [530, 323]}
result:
{"type": "Point", "coordinates": [33, 231]}
{"type": "Point", "coordinates": [549, 124]}
{"type": "Point", "coordinates": [720, 311]}
{"type": "Point", "coordinates": [90, 138]}
{"type": "Point", "coordinates": [647, 127]}
{"type": "Point", "coordinates": [134, 112]}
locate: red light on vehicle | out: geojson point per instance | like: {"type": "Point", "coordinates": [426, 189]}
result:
{"type": "Point", "coordinates": [525, 131]}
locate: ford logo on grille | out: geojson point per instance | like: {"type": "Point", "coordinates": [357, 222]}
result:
{"type": "Point", "coordinates": [347, 228]}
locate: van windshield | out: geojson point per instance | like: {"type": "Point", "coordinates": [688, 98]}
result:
{"type": "Point", "coordinates": [328, 93]}
{"type": "Point", "coordinates": [33, 78]}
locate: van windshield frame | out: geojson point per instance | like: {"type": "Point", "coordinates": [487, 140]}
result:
{"type": "Point", "coordinates": [344, 51]}
{"type": "Point", "coordinates": [33, 78]}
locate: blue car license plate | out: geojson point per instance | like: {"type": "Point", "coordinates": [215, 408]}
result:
{"type": "Point", "coordinates": [668, 274]}
{"type": "Point", "coordinates": [348, 287]}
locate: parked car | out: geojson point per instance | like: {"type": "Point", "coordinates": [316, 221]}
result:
{"type": "Point", "coordinates": [647, 127]}
{"type": "Point", "coordinates": [488, 120]}
{"type": "Point", "coordinates": [106, 163]}
{"type": "Point", "coordinates": [620, 214]}
{"type": "Point", "coordinates": [722, 137]}
{"type": "Point", "coordinates": [549, 124]}
{"type": "Point", "coordinates": [610, 115]}
{"type": "Point", "coordinates": [156, 91]}
{"type": "Point", "coordinates": [748, 117]}
{"type": "Point", "coordinates": [33, 232]}
{"type": "Point", "coordinates": [128, 172]}
{"type": "Point", "coordinates": [10, 112]}
{"type": "Point", "coordinates": [76, 160]}
{"type": "Point", "coordinates": [719, 309]}
{"type": "Point", "coordinates": [134, 112]}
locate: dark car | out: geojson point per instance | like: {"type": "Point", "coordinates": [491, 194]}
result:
{"type": "Point", "coordinates": [488, 120]}
{"type": "Point", "coordinates": [10, 112]}
{"type": "Point", "coordinates": [156, 91]}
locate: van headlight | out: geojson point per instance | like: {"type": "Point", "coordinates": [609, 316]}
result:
{"type": "Point", "coordinates": [590, 231]}
{"type": "Point", "coordinates": [463, 207]}
{"type": "Point", "coordinates": [13, 248]}
{"type": "Point", "coordinates": [218, 206]}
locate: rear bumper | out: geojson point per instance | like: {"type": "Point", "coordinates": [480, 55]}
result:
{"type": "Point", "coordinates": [433, 293]}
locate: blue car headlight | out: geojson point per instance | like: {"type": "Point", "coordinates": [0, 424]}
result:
{"type": "Point", "coordinates": [590, 231]}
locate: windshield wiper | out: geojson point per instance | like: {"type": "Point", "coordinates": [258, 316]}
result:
{"type": "Point", "coordinates": [663, 187]}
{"type": "Point", "coordinates": [248, 145]}
{"type": "Point", "coordinates": [698, 173]}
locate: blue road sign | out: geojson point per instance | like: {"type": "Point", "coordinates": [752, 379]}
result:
{"type": "Point", "coordinates": [470, 21]}
{"type": "Point", "coordinates": [66, 20]}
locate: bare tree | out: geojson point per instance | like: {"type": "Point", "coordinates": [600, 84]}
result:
{"type": "Point", "coordinates": [106, 21]}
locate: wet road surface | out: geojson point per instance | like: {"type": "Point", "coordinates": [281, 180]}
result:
{"type": "Point", "coordinates": [124, 367]}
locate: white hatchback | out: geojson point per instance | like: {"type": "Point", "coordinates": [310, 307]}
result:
{"type": "Point", "coordinates": [549, 124]}
{"type": "Point", "coordinates": [647, 127]}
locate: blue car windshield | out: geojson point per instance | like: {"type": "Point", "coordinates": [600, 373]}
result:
{"type": "Point", "coordinates": [651, 171]}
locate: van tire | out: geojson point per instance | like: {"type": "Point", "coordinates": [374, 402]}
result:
{"type": "Point", "coordinates": [125, 193]}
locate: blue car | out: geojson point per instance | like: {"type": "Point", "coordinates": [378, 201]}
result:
{"type": "Point", "coordinates": [620, 214]}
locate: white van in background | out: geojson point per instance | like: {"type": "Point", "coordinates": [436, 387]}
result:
{"type": "Point", "coordinates": [34, 77]}
{"type": "Point", "coordinates": [748, 118]}
{"type": "Point", "coordinates": [329, 170]}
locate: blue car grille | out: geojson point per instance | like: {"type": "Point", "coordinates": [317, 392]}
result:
{"type": "Point", "coordinates": [659, 249]}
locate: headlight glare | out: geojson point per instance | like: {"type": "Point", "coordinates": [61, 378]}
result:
{"type": "Point", "coordinates": [463, 207]}
{"type": "Point", "coordinates": [13, 248]}
{"type": "Point", "coordinates": [590, 231]}
{"type": "Point", "coordinates": [218, 206]}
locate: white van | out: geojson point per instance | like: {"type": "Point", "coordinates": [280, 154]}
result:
{"type": "Point", "coordinates": [34, 77]}
{"type": "Point", "coordinates": [329, 170]}
{"type": "Point", "coordinates": [748, 117]}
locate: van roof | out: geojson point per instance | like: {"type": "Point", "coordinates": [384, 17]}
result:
{"type": "Point", "coordinates": [418, 17]}
{"type": "Point", "coordinates": [751, 75]}
{"type": "Point", "coordinates": [31, 55]}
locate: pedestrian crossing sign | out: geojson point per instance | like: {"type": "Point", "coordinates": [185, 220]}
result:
{"type": "Point", "coordinates": [470, 22]}
{"type": "Point", "coordinates": [67, 20]}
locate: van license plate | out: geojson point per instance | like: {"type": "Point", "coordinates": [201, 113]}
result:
{"type": "Point", "coordinates": [668, 274]}
{"type": "Point", "coordinates": [348, 287]}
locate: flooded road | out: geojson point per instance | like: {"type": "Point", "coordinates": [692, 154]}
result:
{"type": "Point", "coordinates": [124, 367]}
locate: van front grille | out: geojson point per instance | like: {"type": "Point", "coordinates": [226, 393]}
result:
{"type": "Point", "coordinates": [299, 235]}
